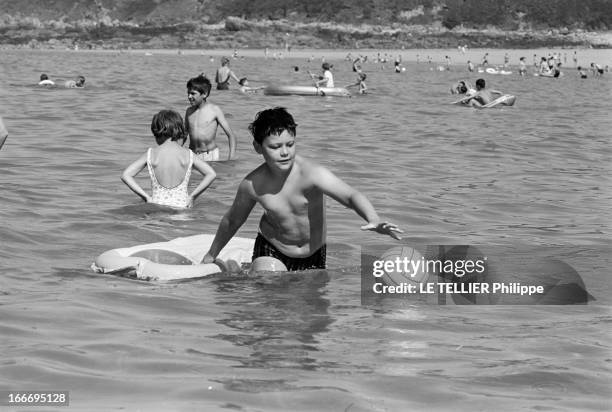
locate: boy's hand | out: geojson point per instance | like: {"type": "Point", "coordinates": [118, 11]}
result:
{"type": "Point", "coordinates": [208, 259]}
{"type": "Point", "coordinates": [384, 228]}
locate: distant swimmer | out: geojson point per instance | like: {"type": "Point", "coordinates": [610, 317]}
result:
{"type": "Point", "coordinates": [398, 64]}
{"type": "Point", "coordinates": [485, 59]}
{"type": "Point", "coordinates": [522, 66]}
{"type": "Point", "coordinates": [360, 83]}
{"type": "Point", "coordinates": [463, 87]}
{"type": "Point", "coordinates": [78, 83]}
{"type": "Point", "coordinates": [245, 88]}
{"type": "Point", "coordinates": [169, 165]}
{"type": "Point", "coordinates": [482, 96]}
{"type": "Point", "coordinates": [582, 73]}
{"type": "Point", "coordinates": [45, 81]}
{"type": "Point", "coordinates": [224, 74]}
{"type": "Point", "coordinates": [202, 120]}
{"type": "Point", "coordinates": [3, 133]}
{"type": "Point", "coordinates": [470, 66]}
{"type": "Point", "coordinates": [544, 67]}
{"type": "Point", "coordinates": [597, 69]}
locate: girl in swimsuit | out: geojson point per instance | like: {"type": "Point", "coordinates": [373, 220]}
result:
{"type": "Point", "coordinates": [169, 165]}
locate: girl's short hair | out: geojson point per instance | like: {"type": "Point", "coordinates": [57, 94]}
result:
{"type": "Point", "coordinates": [272, 122]}
{"type": "Point", "coordinates": [168, 124]}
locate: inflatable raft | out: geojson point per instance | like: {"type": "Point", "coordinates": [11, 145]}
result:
{"type": "Point", "coordinates": [287, 90]}
{"type": "Point", "coordinates": [551, 74]}
{"type": "Point", "coordinates": [177, 259]}
{"type": "Point", "coordinates": [505, 100]}
{"type": "Point", "coordinates": [491, 70]}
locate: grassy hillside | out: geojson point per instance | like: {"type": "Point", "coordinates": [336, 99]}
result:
{"type": "Point", "coordinates": [315, 23]}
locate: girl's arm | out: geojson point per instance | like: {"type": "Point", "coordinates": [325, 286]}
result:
{"type": "Point", "coordinates": [131, 171]}
{"type": "Point", "coordinates": [208, 173]}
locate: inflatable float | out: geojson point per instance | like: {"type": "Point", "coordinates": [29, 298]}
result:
{"type": "Point", "coordinates": [550, 74]}
{"type": "Point", "coordinates": [305, 91]}
{"type": "Point", "coordinates": [505, 100]}
{"type": "Point", "coordinates": [491, 70]}
{"type": "Point", "coordinates": [177, 259]}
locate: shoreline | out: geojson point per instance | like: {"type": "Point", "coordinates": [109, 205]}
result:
{"type": "Point", "coordinates": [315, 56]}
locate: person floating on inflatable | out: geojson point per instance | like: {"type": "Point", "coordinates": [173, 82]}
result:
{"type": "Point", "coordinates": [327, 80]}
{"type": "Point", "coordinates": [245, 88]}
{"type": "Point", "coordinates": [482, 96]}
{"type": "Point", "coordinates": [45, 81]}
{"type": "Point", "coordinates": [291, 191]}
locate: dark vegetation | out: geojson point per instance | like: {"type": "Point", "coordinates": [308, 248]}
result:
{"type": "Point", "coordinates": [312, 23]}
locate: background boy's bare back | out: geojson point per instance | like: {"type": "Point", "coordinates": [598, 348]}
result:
{"type": "Point", "coordinates": [202, 123]}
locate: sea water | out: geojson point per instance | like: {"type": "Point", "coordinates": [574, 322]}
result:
{"type": "Point", "coordinates": [534, 174]}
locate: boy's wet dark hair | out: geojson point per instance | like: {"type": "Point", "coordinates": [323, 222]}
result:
{"type": "Point", "coordinates": [44, 77]}
{"type": "Point", "coordinates": [272, 122]}
{"type": "Point", "coordinates": [480, 83]}
{"type": "Point", "coordinates": [168, 124]}
{"type": "Point", "coordinates": [200, 84]}
{"type": "Point", "coordinates": [241, 81]}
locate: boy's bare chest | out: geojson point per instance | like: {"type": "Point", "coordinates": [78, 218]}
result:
{"type": "Point", "coordinates": [294, 200]}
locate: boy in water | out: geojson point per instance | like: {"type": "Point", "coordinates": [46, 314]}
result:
{"type": "Point", "coordinates": [290, 189]}
{"type": "Point", "coordinates": [482, 96]}
{"type": "Point", "coordinates": [202, 120]}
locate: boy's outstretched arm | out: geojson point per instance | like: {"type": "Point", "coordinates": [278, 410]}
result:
{"type": "Point", "coordinates": [209, 176]}
{"type": "Point", "coordinates": [131, 171]}
{"type": "Point", "coordinates": [340, 191]}
{"type": "Point", "coordinates": [232, 221]}
{"type": "Point", "coordinates": [228, 131]}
